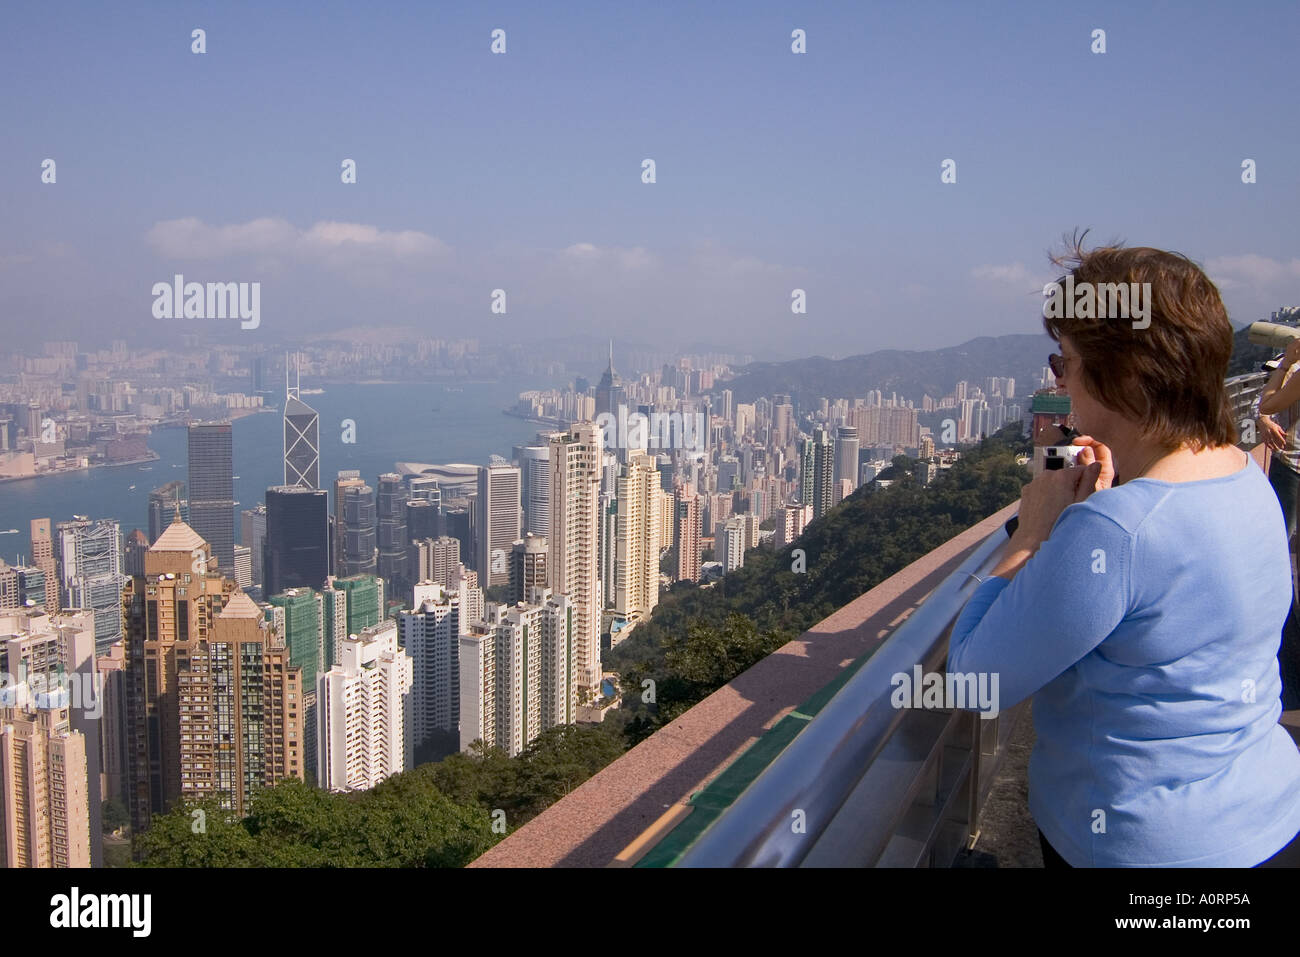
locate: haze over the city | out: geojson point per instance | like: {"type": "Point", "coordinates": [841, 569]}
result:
{"type": "Point", "coordinates": [522, 171]}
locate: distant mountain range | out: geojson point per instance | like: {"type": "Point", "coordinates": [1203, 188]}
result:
{"type": "Point", "coordinates": [910, 373]}
{"type": "Point", "coordinates": [914, 373]}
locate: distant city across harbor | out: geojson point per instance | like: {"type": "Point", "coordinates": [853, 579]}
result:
{"type": "Point", "coordinates": [422, 422]}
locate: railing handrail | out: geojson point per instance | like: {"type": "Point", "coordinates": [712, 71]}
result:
{"type": "Point", "coordinates": [820, 768]}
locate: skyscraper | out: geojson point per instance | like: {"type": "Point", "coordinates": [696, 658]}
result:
{"type": "Point", "coordinates": [573, 560]}
{"type": "Point", "coordinates": [90, 564]}
{"type": "Point", "coordinates": [365, 712]}
{"type": "Point", "coordinates": [610, 393]}
{"type": "Point", "coordinates": [498, 517]}
{"type": "Point", "coordinates": [44, 559]}
{"type": "Point", "coordinates": [347, 478]}
{"type": "Point", "coordinates": [391, 532]}
{"type": "Point", "coordinates": [823, 484]}
{"type": "Point", "coordinates": [137, 545]}
{"type": "Point", "coordinates": [357, 556]}
{"type": "Point", "coordinates": [163, 502]}
{"type": "Point", "coordinates": [301, 435]}
{"type": "Point", "coordinates": [212, 489]}
{"type": "Point", "coordinates": [535, 487]}
{"type": "Point", "coordinates": [846, 456]}
{"type": "Point", "coordinates": [297, 538]}
{"type": "Point", "coordinates": [252, 532]}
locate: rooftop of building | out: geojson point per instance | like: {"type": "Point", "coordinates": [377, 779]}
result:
{"type": "Point", "coordinates": [178, 537]}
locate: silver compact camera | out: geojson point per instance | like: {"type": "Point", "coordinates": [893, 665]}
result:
{"type": "Point", "coordinates": [1061, 456]}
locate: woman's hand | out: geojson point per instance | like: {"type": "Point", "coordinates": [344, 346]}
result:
{"type": "Point", "coordinates": [1274, 434]}
{"type": "Point", "coordinates": [1041, 503]}
{"type": "Point", "coordinates": [1044, 499]}
{"type": "Point", "coordinates": [1095, 451]}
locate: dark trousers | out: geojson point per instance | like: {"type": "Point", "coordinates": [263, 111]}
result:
{"type": "Point", "coordinates": [1289, 856]}
{"type": "Point", "coordinates": [1286, 483]}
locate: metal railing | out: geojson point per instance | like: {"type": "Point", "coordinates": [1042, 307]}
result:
{"type": "Point", "coordinates": [1242, 392]}
{"type": "Point", "coordinates": [868, 784]}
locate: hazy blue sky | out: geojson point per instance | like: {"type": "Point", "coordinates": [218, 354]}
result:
{"type": "Point", "coordinates": [523, 171]}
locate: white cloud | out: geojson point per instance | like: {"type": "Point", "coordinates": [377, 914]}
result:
{"type": "Point", "coordinates": [1016, 273]}
{"type": "Point", "coordinates": [328, 243]}
{"type": "Point", "coordinates": [1251, 269]}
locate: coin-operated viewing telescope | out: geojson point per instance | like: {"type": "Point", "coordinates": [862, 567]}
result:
{"type": "Point", "coordinates": [1273, 334]}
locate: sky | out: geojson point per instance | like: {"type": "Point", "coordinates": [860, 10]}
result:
{"type": "Point", "coordinates": [522, 171]}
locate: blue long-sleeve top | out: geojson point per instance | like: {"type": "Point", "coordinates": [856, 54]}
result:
{"type": "Point", "coordinates": [1147, 629]}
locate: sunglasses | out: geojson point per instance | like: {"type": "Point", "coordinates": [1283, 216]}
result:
{"type": "Point", "coordinates": [1056, 362]}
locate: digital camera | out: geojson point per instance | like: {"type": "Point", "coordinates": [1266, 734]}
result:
{"type": "Point", "coordinates": [1061, 456]}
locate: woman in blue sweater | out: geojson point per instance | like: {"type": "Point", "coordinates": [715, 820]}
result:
{"type": "Point", "coordinates": [1145, 617]}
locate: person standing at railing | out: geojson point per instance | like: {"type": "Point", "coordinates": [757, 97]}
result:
{"type": "Point", "coordinates": [1144, 615]}
{"type": "Point", "coordinates": [1281, 397]}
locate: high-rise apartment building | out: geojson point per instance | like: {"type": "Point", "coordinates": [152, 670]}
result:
{"type": "Point", "coordinates": [434, 559]}
{"type": "Point", "coordinates": [636, 583]}
{"type": "Point", "coordinates": [241, 713]}
{"type": "Point", "coordinates": [49, 663]}
{"type": "Point", "coordinates": [498, 520]}
{"type": "Point", "coordinates": [430, 635]}
{"type": "Point", "coordinates": [527, 566]}
{"type": "Point", "coordinates": [517, 672]}
{"type": "Point", "coordinates": [689, 528]}
{"type": "Point", "coordinates": [365, 712]}
{"type": "Point", "coordinates": [572, 562]}
{"type": "Point", "coordinates": [791, 520]}
{"type": "Point", "coordinates": [198, 722]}
{"type": "Point", "coordinates": [730, 543]}
{"type": "Point", "coordinates": [44, 799]}
{"type": "Point", "coordinates": [823, 484]}
{"type": "Point", "coordinates": [212, 489]}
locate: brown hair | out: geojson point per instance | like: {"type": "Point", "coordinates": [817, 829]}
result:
{"type": "Point", "coordinates": [1169, 376]}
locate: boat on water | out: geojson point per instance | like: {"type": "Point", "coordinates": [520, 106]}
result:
{"type": "Point", "coordinates": [130, 488]}
{"type": "Point", "coordinates": [9, 531]}
{"type": "Point", "coordinates": [236, 477]}
{"type": "Point", "coordinates": [146, 468]}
